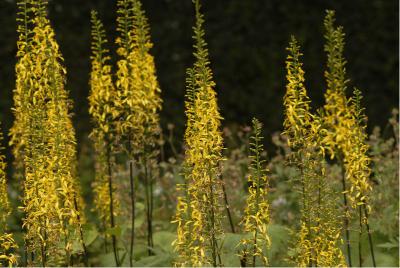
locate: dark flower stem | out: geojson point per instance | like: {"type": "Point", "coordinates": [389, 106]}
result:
{"type": "Point", "coordinates": [371, 246]}
{"type": "Point", "coordinates": [346, 216]}
{"type": "Point", "coordinates": [110, 189]}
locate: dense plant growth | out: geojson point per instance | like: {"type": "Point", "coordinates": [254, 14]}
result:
{"type": "Point", "coordinates": [327, 197]}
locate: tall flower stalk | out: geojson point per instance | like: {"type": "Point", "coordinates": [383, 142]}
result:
{"type": "Point", "coordinates": [256, 217]}
{"type": "Point", "coordinates": [346, 139]}
{"type": "Point", "coordinates": [318, 237]}
{"type": "Point", "coordinates": [336, 107]}
{"type": "Point", "coordinates": [103, 112]}
{"type": "Point", "coordinates": [51, 201]}
{"type": "Point", "coordinates": [138, 101]}
{"type": "Point", "coordinates": [20, 93]}
{"type": "Point", "coordinates": [199, 211]}
{"type": "Point", "coordinates": [358, 168]}
{"type": "Point", "coordinates": [21, 90]}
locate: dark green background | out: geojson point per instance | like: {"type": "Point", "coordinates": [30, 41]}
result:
{"type": "Point", "coordinates": [247, 40]}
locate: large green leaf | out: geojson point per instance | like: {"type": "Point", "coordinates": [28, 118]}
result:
{"type": "Point", "coordinates": [114, 231]}
{"type": "Point", "coordinates": [230, 249]}
{"type": "Point", "coordinates": [90, 233]}
{"type": "Point", "coordinates": [164, 240]}
{"type": "Point", "coordinates": [154, 261]}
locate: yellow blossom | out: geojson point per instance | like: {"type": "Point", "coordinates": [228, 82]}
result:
{"type": "Point", "coordinates": [256, 217]}
{"type": "Point", "coordinates": [199, 232]}
{"type": "Point", "coordinates": [318, 238]}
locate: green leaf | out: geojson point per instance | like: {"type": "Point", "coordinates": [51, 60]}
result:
{"type": "Point", "coordinates": [279, 236]}
{"type": "Point", "coordinates": [382, 260]}
{"type": "Point", "coordinates": [76, 246]}
{"type": "Point", "coordinates": [388, 245]}
{"type": "Point", "coordinates": [107, 259]}
{"type": "Point", "coordinates": [114, 231]}
{"type": "Point", "coordinates": [230, 249]}
{"type": "Point", "coordinates": [90, 233]}
{"type": "Point", "coordinates": [157, 260]}
{"type": "Point", "coordinates": [139, 207]}
{"type": "Point", "coordinates": [139, 220]}
{"type": "Point", "coordinates": [164, 240]}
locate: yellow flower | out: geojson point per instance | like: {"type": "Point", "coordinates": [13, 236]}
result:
{"type": "Point", "coordinates": [199, 232]}
{"type": "Point", "coordinates": [297, 104]}
{"type": "Point", "coordinates": [318, 237]}
{"type": "Point", "coordinates": [103, 112]}
{"type": "Point", "coordinates": [51, 192]}
{"type": "Point", "coordinates": [355, 153]}
{"type": "Point", "coordinates": [256, 217]}
{"type": "Point", "coordinates": [22, 84]}
{"type": "Point", "coordinates": [346, 139]}
{"type": "Point", "coordinates": [138, 92]}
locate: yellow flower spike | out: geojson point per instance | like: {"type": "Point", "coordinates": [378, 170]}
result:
{"type": "Point", "coordinates": [256, 216]}
{"type": "Point", "coordinates": [355, 149]}
{"type": "Point", "coordinates": [203, 142]}
{"type": "Point", "coordinates": [22, 84]}
{"type": "Point", "coordinates": [44, 139]}
{"type": "Point", "coordinates": [317, 240]}
{"type": "Point", "coordinates": [345, 121]}
{"type": "Point", "coordinates": [103, 111]}
{"type": "Point", "coordinates": [139, 100]}
{"type": "Point", "coordinates": [346, 137]}
{"type": "Point", "coordinates": [296, 102]}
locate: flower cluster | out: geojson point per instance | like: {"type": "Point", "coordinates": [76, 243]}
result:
{"type": "Point", "coordinates": [256, 217]}
{"type": "Point", "coordinates": [51, 192]}
{"type": "Point", "coordinates": [199, 232]}
{"type": "Point", "coordinates": [346, 139]}
{"type": "Point", "coordinates": [319, 234]}
{"type": "Point", "coordinates": [138, 93]}
{"type": "Point", "coordinates": [103, 112]}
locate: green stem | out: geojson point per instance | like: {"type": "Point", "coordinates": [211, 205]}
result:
{"type": "Point", "coordinates": [243, 259]}
{"type": "Point", "coordinates": [67, 252]}
{"type": "Point", "coordinates": [346, 212]}
{"type": "Point", "coordinates": [359, 238]}
{"type": "Point", "coordinates": [213, 241]}
{"type": "Point", "coordinates": [318, 216]}
{"type": "Point", "coordinates": [148, 191]}
{"type": "Point", "coordinates": [25, 256]}
{"type": "Point", "coordinates": [151, 208]}
{"type": "Point", "coordinates": [228, 211]}
{"type": "Point", "coordinates": [85, 253]}
{"type": "Point", "coordinates": [105, 236]}
{"type": "Point", "coordinates": [110, 190]}
{"type": "Point", "coordinates": [305, 217]}
{"type": "Point", "coordinates": [44, 235]}
{"type": "Point", "coordinates": [188, 212]}
{"type": "Point", "coordinates": [371, 246]}
{"type": "Point", "coordinates": [43, 249]}
{"type": "Point", "coordinates": [133, 197]}
{"type": "Point", "coordinates": [257, 198]}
